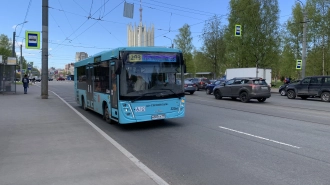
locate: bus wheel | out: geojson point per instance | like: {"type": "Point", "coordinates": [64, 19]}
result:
{"type": "Point", "coordinates": [83, 105]}
{"type": "Point", "coordinates": [106, 115]}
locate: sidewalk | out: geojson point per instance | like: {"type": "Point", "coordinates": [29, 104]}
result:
{"type": "Point", "coordinates": [43, 141]}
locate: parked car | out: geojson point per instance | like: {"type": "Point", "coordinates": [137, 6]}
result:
{"type": "Point", "coordinates": [50, 79]}
{"type": "Point", "coordinates": [38, 79]}
{"type": "Point", "coordinates": [244, 89]}
{"type": "Point", "coordinates": [313, 86]}
{"type": "Point", "coordinates": [282, 88]}
{"type": "Point", "coordinates": [60, 79]}
{"type": "Point", "coordinates": [210, 87]}
{"type": "Point", "coordinates": [188, 86]}
{"type": "Point", "coordinates": [200, 83]}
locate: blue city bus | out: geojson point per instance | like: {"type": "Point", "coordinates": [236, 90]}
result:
{"type": "Point", "coordinates": [132, 84]}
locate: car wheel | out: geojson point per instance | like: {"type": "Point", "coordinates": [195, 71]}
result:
{"type": "Point", "coordinates": [83, 105]}
{"type": "Point", "coordinates": [208, 91]}
{"type": "Point", "coordinates": [244, 97]}
{"type": "Point", "coordinates": [291, 94]}
{"type": "Point", "coordinates": [106, 115]}
{"type": "Point", "coordinates": [191, 92]}
{"type": "Point", "coordinates": [261, 99]}
{"type": "Point", "coordinates": [217, 95]}
{"type": "Point", "coordinates": [325, 96]}
{"type": "Point", "coordinates": [282, 92]}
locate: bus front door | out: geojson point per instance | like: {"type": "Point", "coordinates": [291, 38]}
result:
{"type": "Point", "coordinates": [114, 91]}
{"type": "Point", "coordinates": [89, 80]}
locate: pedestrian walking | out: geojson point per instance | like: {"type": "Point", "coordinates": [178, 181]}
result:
{"type": "Point", "coordinates": [25, 81]}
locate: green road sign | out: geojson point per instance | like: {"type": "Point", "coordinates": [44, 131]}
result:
{"type": "Point", "coordinates": [32, 40]}
{"type": "Point", "coordinates": [299, 64]}
{"type": "Point", "coordinates": [238, 30]}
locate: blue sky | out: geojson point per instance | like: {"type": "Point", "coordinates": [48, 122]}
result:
{"type": "Point", "coordinates": [70, 30]}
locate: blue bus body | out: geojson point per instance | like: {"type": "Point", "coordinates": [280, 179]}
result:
{"type": "Point", "coordinates": [132, 84]}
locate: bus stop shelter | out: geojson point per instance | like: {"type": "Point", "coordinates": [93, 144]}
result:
{"type": "Point", "coordinates": [8, 76]}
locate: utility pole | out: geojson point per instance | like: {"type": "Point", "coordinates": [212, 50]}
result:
{"type": "Point", "coordinates": [13, 49]}
{"type": "Point", "coordinates": [303, 67]}
{"type": "Point", "coordinates": [44, 70]}
{"type": "Point", "coordinates": [20, 64]}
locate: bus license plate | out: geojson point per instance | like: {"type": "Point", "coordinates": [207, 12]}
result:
{"type": "Point", "coordinates": [159, 116]}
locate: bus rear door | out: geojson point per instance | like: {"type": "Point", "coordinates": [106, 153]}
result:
{"type": "Point", "coordinates": [89, 80]}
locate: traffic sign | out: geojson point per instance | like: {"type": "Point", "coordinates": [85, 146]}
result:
{"type": "Point", "coordinates": [32, 40]}
{"type": "Point", "coordinates": [299, 64]}
{"type": "Point", "coordinates": [238, 30]}
{"type": "Point", "coordinates": [29, 67]}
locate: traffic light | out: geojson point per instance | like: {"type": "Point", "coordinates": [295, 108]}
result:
{"type": "Point", "coordinates": [299, 64]}
{"type": "Point", "coordinates": [238, 30]}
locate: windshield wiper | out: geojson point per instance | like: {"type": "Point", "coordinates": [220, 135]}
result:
{"type": "Point", "coordinates": [172, 92]}
{"type": "Point", "coordinates": [146, 94]}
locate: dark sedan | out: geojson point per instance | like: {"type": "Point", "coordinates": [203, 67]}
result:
{"type": "Point", "coordinates": [210, 87]}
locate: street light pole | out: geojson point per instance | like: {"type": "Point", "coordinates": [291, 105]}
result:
{"type": "Point", "coordinates": [171, 41]}
{"type": "Point", "coordinates": [14, 35]}
{"type": "Point", "coordinates": [21, 65]}
{"type": "Point", "coordinates": [13, 49]}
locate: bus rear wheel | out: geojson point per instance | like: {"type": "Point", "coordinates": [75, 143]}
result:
{"type": "Point", "coordinates": [106, 114]}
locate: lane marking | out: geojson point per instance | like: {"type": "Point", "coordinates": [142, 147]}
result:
{"type": "Point", "coordinates": [130, 156]}
{"type": "Point", "coordinates": [281, 143]}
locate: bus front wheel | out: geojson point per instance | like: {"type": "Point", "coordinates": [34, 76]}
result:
{"type": "Point", "coordinates": [106, 114]}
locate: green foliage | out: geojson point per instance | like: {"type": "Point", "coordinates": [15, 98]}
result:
{"type": "Point", "coordinates": [5, 47]}
{"type": "Point", "coordinates": [183, 41]}
{"type": "Point", "coordinates": [260, 40]}
{"type": "Point", "coordinates": [214, 45]}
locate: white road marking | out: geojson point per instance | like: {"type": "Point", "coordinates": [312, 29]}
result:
{"type": "Point", "coordinates": [281, 143]}
{"type": "Point", "coordinates": [130, 156]}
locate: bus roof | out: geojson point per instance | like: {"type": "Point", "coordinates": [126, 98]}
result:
{"type": "Point", "coordinates": [106, 55]}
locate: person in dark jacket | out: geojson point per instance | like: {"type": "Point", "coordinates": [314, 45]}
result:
{"type": "Point", "coordinates": [25, 82]}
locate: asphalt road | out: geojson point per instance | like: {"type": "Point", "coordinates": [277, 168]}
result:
{"type": "Point", "coordinates": [280, 141]}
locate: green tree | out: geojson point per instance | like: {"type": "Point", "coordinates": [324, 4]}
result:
{"type": "Point", "coordinates": [5, 46]}
{"type": "Point", "coordinates": [260, 40]}
{"type": "Point", "coordinates": [214, 44]}
{"type": "Point", "coordinates": [183, 41]}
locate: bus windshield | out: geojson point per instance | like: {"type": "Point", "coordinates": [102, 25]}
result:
{"type": "Point", "coordinates": [147, 79]}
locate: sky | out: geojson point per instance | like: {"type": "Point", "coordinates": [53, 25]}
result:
{"type": "Point", "coordinates": [93, 26]}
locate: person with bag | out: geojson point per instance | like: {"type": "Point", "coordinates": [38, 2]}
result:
{"type": "Point", "coordinates": [25, 81]}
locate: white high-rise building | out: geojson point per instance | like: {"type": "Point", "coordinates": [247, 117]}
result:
{"type": "Point", "coordinates": [81, 56]}
{"type": "Point", "coordinates": [140, 35]}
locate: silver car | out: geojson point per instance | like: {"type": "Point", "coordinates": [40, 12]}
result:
{"type": "Point", "coordinates": [189, 86]}
{"type": "Point", "coordinates": [244, 89]}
